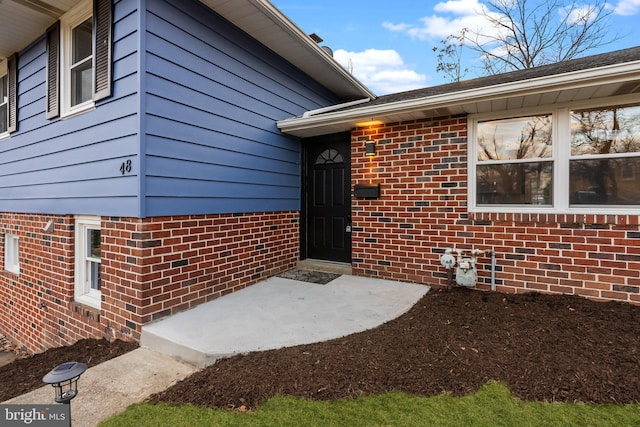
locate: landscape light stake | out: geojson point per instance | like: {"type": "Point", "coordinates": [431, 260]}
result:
{"type": "Point", "coordinates": [64, 379]}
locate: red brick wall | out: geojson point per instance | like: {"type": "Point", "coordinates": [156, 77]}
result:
{"type": "Point", "coordinates": [422, 169]}
{"type": "Point", "coordinates": [150, 268]}
{"type": "Point", "coordinates": [36, 305]}
{"type": "Point", "coordinates": [158, 266]}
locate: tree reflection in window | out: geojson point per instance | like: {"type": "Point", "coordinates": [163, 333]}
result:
{"type": "Point", "coordinates": [329, 156]}
{"type": "Point", "coordinates": [611, 130]}
{"type": "Point", "coordinates": [515, 161]}
{"type": "Point", "coordinates": [605, 150]}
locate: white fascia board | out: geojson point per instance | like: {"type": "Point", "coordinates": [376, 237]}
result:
{"type": "Point", "coordinates": [295, 45]}
{"type": "Point", "coordinates": [607, 74]}
{"type": "Point", "coordinates": [290, 27]}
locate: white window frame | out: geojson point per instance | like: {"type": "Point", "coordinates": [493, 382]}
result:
{"type": "Point", "coordinates": [561, 157]}
{"type": "Point", "coordinates": [68, 22]}
{"type": "Point", "coordinates": [4, 73]}
{"type": "Point", "coordinates": [83, 293]}
{"type": "Point", "coordinates": [11, 253]}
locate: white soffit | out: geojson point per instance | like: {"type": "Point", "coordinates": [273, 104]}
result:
{"type": "Point", "coordinates": [23, 21]}
{"type": "Point", "coordinates": [613, 80]}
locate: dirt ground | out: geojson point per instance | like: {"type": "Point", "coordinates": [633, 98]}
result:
{"type": "Point", "coordinates": [549, 348]}
{"type": "Point", "coordinates": [25, 373]}
{"type": "Point", "coordinates": [544, 347]}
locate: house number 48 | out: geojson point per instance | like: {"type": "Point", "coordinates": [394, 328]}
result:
{"type": "Point", "coordinates": [125, 167]}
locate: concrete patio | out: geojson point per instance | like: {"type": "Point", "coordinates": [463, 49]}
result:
{"type": "Point", "coordinates": [272, 314]}
{"type": "Point", "coordinates": [279, 312]}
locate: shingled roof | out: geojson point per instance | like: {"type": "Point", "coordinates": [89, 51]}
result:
{"type": "Point", "coordinates": [595, 61]}
{"type": "Point", "coordinates": [613, 74]}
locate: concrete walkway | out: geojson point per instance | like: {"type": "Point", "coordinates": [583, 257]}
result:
{"type": "Point", "coordinates": [272, 314]}
{"type": "Point", "coordinates": [108, 388]}
{"type": "Point", "coordinates": [279, 313]}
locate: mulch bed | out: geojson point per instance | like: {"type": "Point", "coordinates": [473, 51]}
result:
{"type": "Point", "coordinates": [544, 347]}
{"type": "Point", "coordinates": [25, 374]}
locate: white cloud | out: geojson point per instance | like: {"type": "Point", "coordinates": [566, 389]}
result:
{"type": "Point", "coordinates": [452, 17]}
{"type": "Point", "coordinates": [383, 71]}
{"type": "Point", "coordinates": [627, 7]}
{"type": "Point", "coordinates": [392, 81]}
{"type": "Point", "coordinates": [458, 7]}
{"type": "Point", "coordinates": [396, 27]}
{"type": "Point", "coordinates": [579, 15]}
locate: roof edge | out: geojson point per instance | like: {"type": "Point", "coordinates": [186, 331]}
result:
{"type": "Point", "coordinates": [291, 43]}
{"type": "Point", "coordinates": [609, 73]}
{"type": "Point", "coordinates": [292, 28]}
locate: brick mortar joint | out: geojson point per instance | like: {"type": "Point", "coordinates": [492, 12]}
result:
{"type": "Point", "coordinates": [559, 218]}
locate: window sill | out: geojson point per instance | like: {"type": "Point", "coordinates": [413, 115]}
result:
{"type": "Point", "coordinates": [89, 106]}
{"type": "Point", "coordinates": [89, 300]}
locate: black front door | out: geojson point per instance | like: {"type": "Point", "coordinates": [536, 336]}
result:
{"type": "Point", "coordinates": [327, 197]}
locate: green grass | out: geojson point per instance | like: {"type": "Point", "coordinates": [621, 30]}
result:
{"type": "Point", "coordinates": [492, 406]}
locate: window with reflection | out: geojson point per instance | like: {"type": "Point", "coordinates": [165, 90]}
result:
{"type": "Point", "coordinates": [87, 288]}
{"type": "Point", "coordinates": [77, 59]}
{"type": "Point", "coordinates": [605, 156]}
{"type": "Point", "coordinates": [93, 258]}
{"type": "Point", "coordinates": [515, 161]}
{"type": "Point", "coordinates": [565, 159]}
{"type": "Point", "coordinates": [81, 66]}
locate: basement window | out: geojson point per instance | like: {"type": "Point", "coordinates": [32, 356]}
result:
{"type": "Point", "coordinates": [88, 260]}
{"type": "Point", "coordinates": [11, 254]}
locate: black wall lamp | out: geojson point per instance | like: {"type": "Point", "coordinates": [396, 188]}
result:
{"type": "Point", "coordinates": [370, 148]}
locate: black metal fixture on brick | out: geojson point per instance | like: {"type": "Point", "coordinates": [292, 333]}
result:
{"type": "Point", "coordinates": [370, 148]}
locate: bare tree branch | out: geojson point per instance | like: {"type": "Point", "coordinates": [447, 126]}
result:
{"type": "Point", "coordinates": [521, 34]}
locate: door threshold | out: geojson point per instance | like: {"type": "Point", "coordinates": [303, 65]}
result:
{"type": "Point", "coordinates": [325, 266]}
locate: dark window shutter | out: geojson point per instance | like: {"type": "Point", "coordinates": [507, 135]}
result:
{"type": "Point", "coordinates": [12, 74]}
{"type": "Point", "coordinates": [102, 28]}
{"type": "Point", "coordinates": [53, 71]}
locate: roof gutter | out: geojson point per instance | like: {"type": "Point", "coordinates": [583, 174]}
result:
{"type": "Point", "coordinates": [610, 74]}
{"type": "Point", "coordinates": [335, 107]}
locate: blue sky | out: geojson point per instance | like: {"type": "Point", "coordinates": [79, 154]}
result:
{"type": "Point", "coordinates": [388, 43]}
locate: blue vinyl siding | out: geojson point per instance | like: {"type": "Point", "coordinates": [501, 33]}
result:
{"type": "Point", "coordinates": [71, 166]}
{"type": "Point", "coordinates": [194, 108]}
{"type": "Point", "coordinates": [213, 96]}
